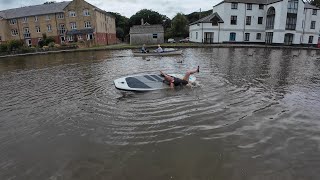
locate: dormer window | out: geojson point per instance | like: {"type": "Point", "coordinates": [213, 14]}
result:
{"type": "Point", "coordinates": [60, 16]}
{"type": "Point", "coordinates": [13, 21]}
{"type": "Point", "coordinates": [86, 12]}
{"type": "Point", "coordinates": [72, 13]}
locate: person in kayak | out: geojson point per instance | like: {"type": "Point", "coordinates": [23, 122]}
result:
{"type": "Point", "coordinates": [143, 49]}
{"type": "Point", "coordinates": [174, 81]}
{"type": "Point", "coordinates": [159, 49]}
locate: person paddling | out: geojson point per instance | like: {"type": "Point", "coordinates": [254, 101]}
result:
{"type": "Point", "coordinates": [143, 49]}
{"type": "Point", "coordinates": [159, 49]}
{"type": "Point", "coordinates": [174, 81]}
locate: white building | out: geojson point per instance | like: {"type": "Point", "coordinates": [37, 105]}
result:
{"type": "Point", "coordinates": [282, 22]}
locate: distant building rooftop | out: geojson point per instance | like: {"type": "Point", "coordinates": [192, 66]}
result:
{"type": "Point", "coordinates": [146, 28]}
{"type": "Point", "coordinates": [34, 10]}
{"type": "Point", "coordinates": [208, 19]}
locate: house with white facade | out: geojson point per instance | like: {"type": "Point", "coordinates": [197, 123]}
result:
{"type": "Point", "coordinates": [282, 22]}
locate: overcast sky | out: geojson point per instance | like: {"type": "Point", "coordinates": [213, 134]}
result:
{"type": "Point", "coordinates": [129, 7]}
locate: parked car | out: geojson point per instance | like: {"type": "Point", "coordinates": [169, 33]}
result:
{"type": "Point", "coordinates": [171, 41]}
{"type": "Point", "coordinates": [185, 40]}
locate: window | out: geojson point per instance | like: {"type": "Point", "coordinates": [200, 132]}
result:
{"type": "Point", "coordinates": [269, 37]}
{"type": "Point", "coordinates": [234, 5]}
{"type": "Point", "coordinates": [86, 12]}
{"type": "Point", "coordinates": [49, 28]}
{"type": "Point", "coordinates": [293, 6]}
{"type": "Point", "coordinates": [261, 6]}
{"type": "Point", "coordinates": [249, 6]}
{"type": "Point", "coordinates": [26, 32]}
{"type": "Point", "coordinates": [62, 29]}
{"type": "Point", "coordinates": [233, 20]}
{"type": "Point", "coordinates": [260, 20]}
{"type": "Point", "coordinates": [291, 21]}
{"type": "Point", "coordinates": [70, 38]}
{"type": "Point", "coordinates": [232, 36]}
{"type": "Point", "coordinates": [73, 25]}
{"type": "Point", "coordinates": [72, 14]}
{"type": "Point", "coordinates": [0, 38]}
{"type": "Point", "coordinates": [248, 20]}
{"type": "Point", "coordinates": [89, 36]}
{"type": "Point", "coordinates": [270, 18]}
{"type": "Point", "coordinates": [14, 32]}
{"type": "Point", "coordinates": [196, 35]}
{"type": "Point", "coordinates": [38, 29]}
{"type": "Point", "coordinates": [246, 36]}
{"type": "Point", "coordinates": [313, 25]}
{"type": "Point", "coordinates": [60, 16]}
{"type": "Point", "coordinates": [25, 19]}
{"type": "Point", "coordinates": [47, 17]}
{"type": "Point", "coordinates": [314, 12]}
{"type": "Point", "coordinates": [310, 39]}
{"type": "Point", "coordinates": [35, 18]}
{"type": "Point", "coordinates": [13, 21]}
{"type": "Point", "coordinates": [155, 36]}
{"type": "Point", "coordinates": [258, 36]}
{"type": "Point", "coordinates": [87, 24]}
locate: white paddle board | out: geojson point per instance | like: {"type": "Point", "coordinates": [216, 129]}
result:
{"type": "Point", "coordinates": [146, 82]}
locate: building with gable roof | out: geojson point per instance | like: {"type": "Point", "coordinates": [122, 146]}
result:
{"type": "Point", "coordinates": [68, 21]}
{"type": "Point", "coordinates": [146, 34]}
{"type": "Point", "coordinates": [278, 22]}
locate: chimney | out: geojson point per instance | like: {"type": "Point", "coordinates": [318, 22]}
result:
{"type": "Point", "coordinates": [142, 23]}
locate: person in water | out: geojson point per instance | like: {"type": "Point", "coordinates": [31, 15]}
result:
{"type": "Point", "coordinates": [143, 49]}
{"type": "Point", "coordinates": [173, 81]}
{"type": "Point", "coordinates": [159, 49]}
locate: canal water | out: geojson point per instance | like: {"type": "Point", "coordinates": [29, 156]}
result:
{"type": "Point", "coordinates": [254, 114]}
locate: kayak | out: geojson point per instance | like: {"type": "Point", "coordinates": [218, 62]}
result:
{"type": "Point", "coordinates": [164, 53]}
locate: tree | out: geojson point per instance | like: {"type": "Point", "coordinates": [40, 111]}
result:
{"type": "Point", "coordinates": [315, 2]}
{"type": "Point", "coordinates": [180, 26]}
{"type": "Point", "coordinates": [120, 33]}
{"type": "Point", "coordinates": [149, 16]}
{"type": "Point", "coordinates": [122, 23]}
{"type": "Point", "coordinates": [192, 17]}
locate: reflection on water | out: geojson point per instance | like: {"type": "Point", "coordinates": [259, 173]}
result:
{"type": "Point", "coordinates": [253, 115]}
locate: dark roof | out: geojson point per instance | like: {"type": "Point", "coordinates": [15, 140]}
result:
{"type": "Point", "coordinates": [144, 29]}
{"type": "Point", "coordinates": [309, 6]}
{"type": "Point", "coordinates": [208, 19]}
{"type": "Point", "coordinates": [265, 2]}
{"type": "Point", "coordinates": [34, 10]}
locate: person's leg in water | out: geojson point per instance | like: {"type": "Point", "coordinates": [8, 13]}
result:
{"type": "Point", "coordinates": [186, 77]}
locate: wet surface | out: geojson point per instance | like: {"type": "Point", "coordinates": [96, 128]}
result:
{"type": "Point", "coordinates": [254, 114]}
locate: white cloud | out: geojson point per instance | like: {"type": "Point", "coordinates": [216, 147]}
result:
{"type": "Point", "coordinates": [129, 7]}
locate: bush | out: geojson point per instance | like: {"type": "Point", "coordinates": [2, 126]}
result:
{"type": "Point", "coordinates": [14, 44]}
{"type": "Point", "coordinates": [48, 40]}
{"type": "Point", "coordinates": [3, 47]}
{"type": "Point", "coordinates": [51, 44]}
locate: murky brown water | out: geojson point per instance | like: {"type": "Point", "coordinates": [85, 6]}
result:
{"type": "Point", "coordinates": [254, 115]}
